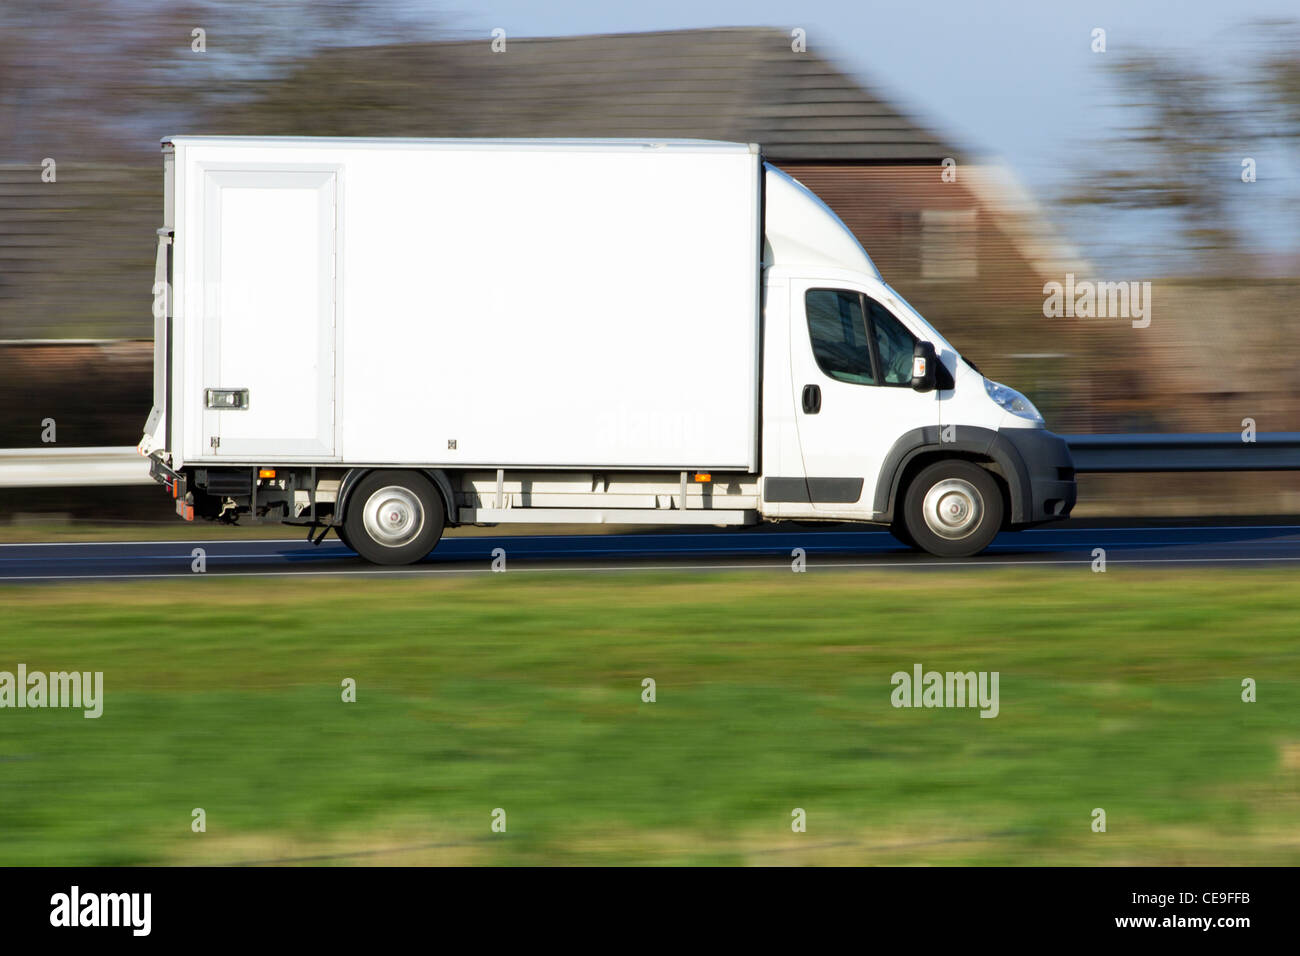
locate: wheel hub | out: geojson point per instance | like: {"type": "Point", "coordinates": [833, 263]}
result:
{"type": "Point", "coordinates": [953, 508]}
{"type": "Point", "coordinates": [393, 516]}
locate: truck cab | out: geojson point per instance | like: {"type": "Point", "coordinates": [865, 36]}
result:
{"type": "Point", "coordinates": [869, 414]}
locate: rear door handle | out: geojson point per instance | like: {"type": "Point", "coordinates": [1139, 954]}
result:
{"type": "Point", "coordinates": [812, 399]}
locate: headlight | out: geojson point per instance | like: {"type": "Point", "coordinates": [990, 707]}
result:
{"type": "Point", "coordinates": [1012, 401]}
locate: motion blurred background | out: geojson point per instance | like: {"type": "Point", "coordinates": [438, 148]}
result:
{"type": "Point", "coordinates": [1118, 160]}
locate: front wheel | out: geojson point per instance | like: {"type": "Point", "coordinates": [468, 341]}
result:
{"type": "Point", "coordinates": [953, 509]}
{"type": "Point", "coordinates": [393, 517]}
{"type": "Point", "coordinates": [899, 530]}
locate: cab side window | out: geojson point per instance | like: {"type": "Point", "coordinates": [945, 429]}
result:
{"type": "Point", "coordinates": [894, 345]}
{"type": "Point", "coordinates": [837, 328]}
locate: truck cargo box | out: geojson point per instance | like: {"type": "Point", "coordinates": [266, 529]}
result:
{"type": "Point", "coordinates": [464, 303]}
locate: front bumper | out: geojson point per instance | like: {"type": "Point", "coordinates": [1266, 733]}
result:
{"type": "Point", "coordinates": [1049, 473]}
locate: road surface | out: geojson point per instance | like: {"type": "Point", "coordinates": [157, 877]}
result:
{"type": "Point", "coordinates": [1062, 545]}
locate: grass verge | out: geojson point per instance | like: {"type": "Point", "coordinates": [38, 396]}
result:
{"type": "Point", "coordinates": [1119, 691]}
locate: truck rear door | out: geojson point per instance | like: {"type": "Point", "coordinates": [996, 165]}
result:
{"type": "Point", "coordinates": [269, 327]}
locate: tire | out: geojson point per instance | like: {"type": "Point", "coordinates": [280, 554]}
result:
{"type": "Point", "coordinates": [342, 533]}
{"type": "Point", "coordinates": [393, 517]}
{"type": "Point", "coordinates": [899, 531]}
{"type": "Point", "coordinates": [964, 505]}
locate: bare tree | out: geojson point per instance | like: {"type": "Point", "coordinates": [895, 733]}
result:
{"type": "Point", "coordinates": [103, 79]}
{"type": "Point", "coordinates": [1171, 156]}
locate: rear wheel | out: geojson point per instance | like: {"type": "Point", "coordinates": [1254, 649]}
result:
{"type": "Point", "coordinates": [953, 509]}
{"type": "Point", "coordinates": [393, 517]}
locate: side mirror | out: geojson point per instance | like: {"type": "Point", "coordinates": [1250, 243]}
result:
{"type": "Point", "coordinates": [925, 367]}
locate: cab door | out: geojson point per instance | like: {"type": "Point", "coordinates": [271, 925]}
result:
{"type": "Point", "coordinates": [851, 371]}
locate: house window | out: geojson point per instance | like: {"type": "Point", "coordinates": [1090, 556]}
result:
{"type": "Point", "coordinates": [948, 244]}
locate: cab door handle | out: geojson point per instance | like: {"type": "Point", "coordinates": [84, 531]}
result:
{"type": "Point", "coordinates": [812, 399]}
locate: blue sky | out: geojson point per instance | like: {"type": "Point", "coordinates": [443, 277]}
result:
{"type": "Point", "coordinates": [1014, 79]}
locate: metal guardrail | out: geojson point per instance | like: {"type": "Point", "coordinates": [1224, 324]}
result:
{"type": "Point", "coordinates": [1272, 451]}
{"type": "Point", "coordinates": [55, 467]}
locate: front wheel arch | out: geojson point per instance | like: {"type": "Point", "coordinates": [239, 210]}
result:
{"type": "Point", "coordinates": [924, 459]}
{"type": "Point", "coordinates": [921, 447]}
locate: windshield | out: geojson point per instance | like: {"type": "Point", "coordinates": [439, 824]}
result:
{"type": "Point", "coordinates": [928, 330]}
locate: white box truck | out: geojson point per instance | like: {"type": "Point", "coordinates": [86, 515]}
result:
{"type": "Point", "coordinates": [387, 337]}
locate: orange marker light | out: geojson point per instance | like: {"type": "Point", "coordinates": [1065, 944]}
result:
{"type": "Point", "coordinates": [703, 476]}
{"type": "Point", "coordinates": [266, 473]}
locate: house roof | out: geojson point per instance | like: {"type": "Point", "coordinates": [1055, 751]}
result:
{"type": "Point", "coordinates": [735, 84]}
